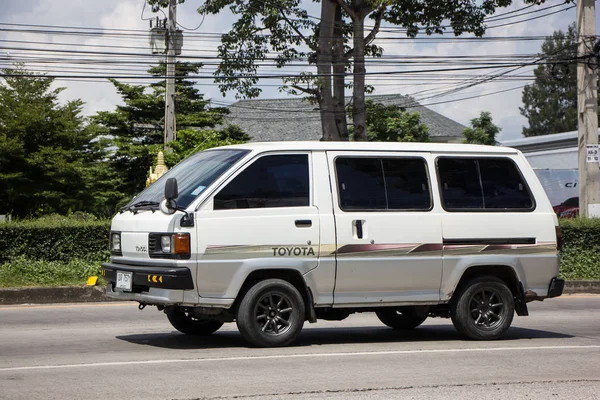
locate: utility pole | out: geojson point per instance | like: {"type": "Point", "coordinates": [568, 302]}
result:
{"type": "Point", "coordinates": [587, 107]}
{"type": "Point", "coordinates": [170, 84]}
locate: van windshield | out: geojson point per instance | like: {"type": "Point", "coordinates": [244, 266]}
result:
{"type": "Point", "coordinates": [193, 174]}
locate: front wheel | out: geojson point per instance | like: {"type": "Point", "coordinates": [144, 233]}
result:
{"type": "Point", "coordinates": [187, 323]}
{"type": "Point", "coordinates": [403, 318]}
{"type": "Point", "coordinates": [483, 309]}
{"type": "Point", "coordinates": [271, 313]}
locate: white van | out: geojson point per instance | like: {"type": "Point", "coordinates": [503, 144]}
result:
{"type": "Point", "coordinates": [271, 235]}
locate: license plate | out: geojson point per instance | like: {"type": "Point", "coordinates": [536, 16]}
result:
{"type": "Point", "coordinates": [124, 280]}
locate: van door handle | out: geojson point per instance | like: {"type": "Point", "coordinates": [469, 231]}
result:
{"type": "Point", "coordinates": [303, 223]}
{"type": "Point", "coordinates": [359, 228]}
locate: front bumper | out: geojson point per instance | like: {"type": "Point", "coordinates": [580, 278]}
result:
{"type": "Point", "coordinates": [145, 277]}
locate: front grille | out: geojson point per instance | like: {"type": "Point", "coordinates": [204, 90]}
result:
{"type": "Point", "coordinates": [153, 243]}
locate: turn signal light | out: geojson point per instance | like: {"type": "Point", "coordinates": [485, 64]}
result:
{"type": "Point", "coordinates": [181, 243]}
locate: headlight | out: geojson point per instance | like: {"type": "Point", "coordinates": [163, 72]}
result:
{"type": "Point", "coordinates": [165, 244]}
{"type": "Point", "coordinates": [169, 245]}
{"type": "Point", "coordinates": [115, 242]}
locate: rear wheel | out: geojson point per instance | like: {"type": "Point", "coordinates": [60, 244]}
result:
{"type": "Point", "coordinates": [403, 318]}
{"type": "Point", "coordinates": [483, 309]}
{"type": "Point", "coordinates": [187, 323]}
{"type": "Point", "coordinates": [271, 313]}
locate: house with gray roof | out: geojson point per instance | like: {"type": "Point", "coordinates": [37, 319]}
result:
{"type": "Point", "coordinates": [267, 120]}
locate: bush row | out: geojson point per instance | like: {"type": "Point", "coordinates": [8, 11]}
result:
{"type": "Point", "coordinates": [55, 239]}
{"type": "Point", "coordinates": [580, 256]}
{"type": "Point", "coordinates": [54, 251]}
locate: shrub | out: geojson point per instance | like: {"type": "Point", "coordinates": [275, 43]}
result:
{"type": "Point", "coordinates": [55, 239]}
{"type": "Point", "coordinates": [580, 256]}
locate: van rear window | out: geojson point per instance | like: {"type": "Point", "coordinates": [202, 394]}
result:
{"type": "Point", "coordinates": [482, 184]}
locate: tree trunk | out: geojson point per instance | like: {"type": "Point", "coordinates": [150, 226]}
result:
{"type": "Point", "coordinates": [339, 70]}
{"type": "Point", "coordinates": [324, 61]}
{"type": "Point", "coordinates": [359, 111]}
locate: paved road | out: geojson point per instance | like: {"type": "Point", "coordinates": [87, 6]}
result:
{"type": "Point", "coordinates": [115, 351]}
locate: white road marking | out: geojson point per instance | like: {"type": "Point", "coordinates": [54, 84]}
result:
{"type": "Point", "coordinates": [305, 355]}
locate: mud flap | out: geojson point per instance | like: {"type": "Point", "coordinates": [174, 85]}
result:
{"type": "Point", "coordinates": [520, 304]}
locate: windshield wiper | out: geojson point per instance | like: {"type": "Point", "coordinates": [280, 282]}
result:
{"type": "Point", "coordinates": [142, 203]}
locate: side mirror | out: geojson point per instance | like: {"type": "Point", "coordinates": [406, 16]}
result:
{"type": "Point", "coordinates": [171, 191]}
{"type": "Point", "coordinates": [169, 205]}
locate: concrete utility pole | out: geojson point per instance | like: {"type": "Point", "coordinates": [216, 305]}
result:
{"type": "Point", "coordinates": [170, 89]}
{"type": "Point", "coordinates": [587, 106]}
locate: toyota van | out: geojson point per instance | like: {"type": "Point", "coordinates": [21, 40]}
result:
{"type": "Point", "coordinates": [270, 235]}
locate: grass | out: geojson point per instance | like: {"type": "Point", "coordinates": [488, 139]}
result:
{"type": "Point", "coordinates": [23, 272]}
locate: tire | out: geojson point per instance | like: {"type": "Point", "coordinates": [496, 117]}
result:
{"type": "Point", "coordinates": [483, 309]}
{"type": "Point", "coordinates": [190, 325]}
{"type": "Point", "coordinates": [271, 314]}
{"type": "Point", "coordinates": [403, 318]}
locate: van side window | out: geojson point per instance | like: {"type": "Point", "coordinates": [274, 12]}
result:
{"type": "Point", "coordinates": [482, 183]}
{"type": "Point", "coordinates": [460, 183]}
{"type": "Point", "coordinates": [271, 181]}
{"type": "Point", "coordinates": [407, 184]}
{"type": "Point", "coordinates": [382, 184]}
{"type": "Point", "coordinates": [360, 184]}
{"type": "Point", "coordinates": [503, 186]}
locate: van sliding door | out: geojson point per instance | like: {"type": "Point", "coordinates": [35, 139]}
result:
{"type": "Point", "coordinates": [389, 238]}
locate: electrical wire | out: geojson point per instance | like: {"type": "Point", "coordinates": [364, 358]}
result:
{"type": "Point", "coordinates": [196, 28]}
{"type": "Point", "coordinates": [92, 67]}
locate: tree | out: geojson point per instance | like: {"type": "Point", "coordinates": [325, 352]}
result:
{"type": "Point", "coordinates": [394, 124]}
{"type": "Point", "coordinates": [550, 102]}
{"type": "Point", "coordinates": [45, 148]}
{"type": "Point", "coordinates": [136, 127]}
{"type": "Point", "coordinates": [482, 130]}
{"type": "Point", "coordinates": [190, 141]}
{"type": "Point", "coordinates": [283, 31]}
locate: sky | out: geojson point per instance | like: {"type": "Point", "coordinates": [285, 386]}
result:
{"type": "Point", "coordinates": [100, 95]}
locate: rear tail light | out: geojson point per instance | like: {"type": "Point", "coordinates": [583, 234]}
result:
{"type": "Point", "coordinates": [559, 239]}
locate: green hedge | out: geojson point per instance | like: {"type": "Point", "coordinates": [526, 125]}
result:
{"type": "Point", "coordinates": [52, 251]}
{"type": "Point", "coordinates": [580, 256]}
{"type": "Point", "coordinates": [62, 251]}
{"type": "Point", "coordinates": [54, 240]}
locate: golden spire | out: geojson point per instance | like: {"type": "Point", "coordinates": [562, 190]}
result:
{"type": "Point", "coordinates": [159, 171]}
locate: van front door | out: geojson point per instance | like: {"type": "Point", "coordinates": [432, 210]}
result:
{"type": "Point", "coordinates": [389, 239]}
{"type": "Point", "coordinates": [262, 218]}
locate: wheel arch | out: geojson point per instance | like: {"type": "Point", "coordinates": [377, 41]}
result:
{"type": "Point", "coordinates": [505, 272]}
{"type": "Point", "coordinates": [292, 276]}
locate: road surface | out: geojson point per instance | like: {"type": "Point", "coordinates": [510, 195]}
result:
{"type": "Point", "coordinates": [115, 351]}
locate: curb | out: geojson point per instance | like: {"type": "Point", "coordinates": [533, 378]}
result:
{"type": "Point", "coordinates": [583, 287]}
{"type": "Point", "coordinates": [90, 294]}
{"type": "Point", "coordinates": [46, 295]}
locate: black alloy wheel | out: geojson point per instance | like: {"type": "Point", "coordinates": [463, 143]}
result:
{"type": "Point", "coordinates": [483, 309]}
{"type": "Point", "coordinates": [271, 313]}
